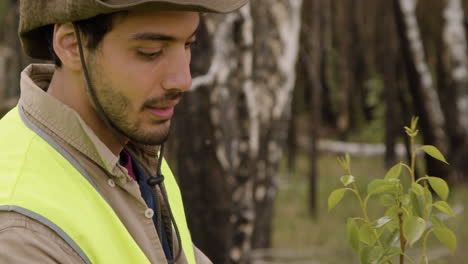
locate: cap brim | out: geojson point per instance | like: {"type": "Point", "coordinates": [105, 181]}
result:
{"type": "Point", "coordinates": [220, 6]}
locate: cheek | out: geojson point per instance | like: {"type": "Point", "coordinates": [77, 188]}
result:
{"type": "Point", "coordinates": [137, 79]}
{"type": "Point", "coordinates": [189, 55]}
{"type": "Point", "coordinates": [140, 86]}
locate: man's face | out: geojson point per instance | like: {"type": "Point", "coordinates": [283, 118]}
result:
{"type": "Point", "coordinates": [140, 70]}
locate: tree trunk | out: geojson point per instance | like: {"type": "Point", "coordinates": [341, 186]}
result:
{"type": "Point", "coordinates": [389, 51]}
{"type": "Point", "coordinates": [455, 76]}
{"type": "Point", "coordinates": [328, 117]}
{"type": "Point", "coordinates": [312, 66]}
{"type": "Point", "coordinates": [424, 95]}
{"type": "Point", "coordinates": [231, 128]}
{"type": "Point", "coordinates": [14, 57]}
{"type": "Point", "coordinates": [343, 37]}
{"type": "Point", "coordinates": [291, 145]}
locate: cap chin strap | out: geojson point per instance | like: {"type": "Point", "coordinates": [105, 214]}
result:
{"type": "Point", "coordinates": [154, 181]}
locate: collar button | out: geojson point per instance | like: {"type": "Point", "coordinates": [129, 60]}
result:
{"type": "Point", "coordinates": [149, 213]}
{"type": "Point", "coordinates": [111, 183]}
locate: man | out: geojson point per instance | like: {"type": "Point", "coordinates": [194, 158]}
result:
{"type": "Point", "coordinates": [81, 177]}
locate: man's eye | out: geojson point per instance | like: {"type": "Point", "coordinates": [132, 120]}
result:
{"type": "Point", "coordinates": [149, 55]}
{"type": "Point", "coordinates": [190, 44]}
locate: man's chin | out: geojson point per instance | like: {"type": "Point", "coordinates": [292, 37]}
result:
{"type": "Point", "coordinates": [152, 139]}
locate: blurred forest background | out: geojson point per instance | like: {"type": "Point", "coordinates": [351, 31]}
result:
{"type": "Point", "coordinates": [281, 88]}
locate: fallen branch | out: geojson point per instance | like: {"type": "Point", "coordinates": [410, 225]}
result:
{"type": "Point", "coordinates": [353, 148]}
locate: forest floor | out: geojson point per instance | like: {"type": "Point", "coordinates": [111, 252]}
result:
{"type": "Point", "coordinates": [299, 238]}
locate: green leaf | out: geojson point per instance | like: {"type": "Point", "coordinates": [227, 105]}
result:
{"type": "Point", "coordinates": [375, 184]}
{"type": "Point", "coordinates": [393, 213]}
{"type": "Point", "coordinates": [408, 131]}
{"type": "Point", "coordinates": [347, 180]}
{"type": "Point", "coordinates": [428, 201]}
{"type": "Point", "coordinates": [366, 235]}
{"type": "Point", "coordinates": [417, 203]}
{"type": "Point", "coordinates": [389, 253]}
{"type": "Point", "coordinates": [417, 189]}
{"type": "Point", "coordinates": [369, 254]}
{"type": "Point", "coordinates": [446, 237]}
{"type": "Point", "coordinates": [352, 231]}
{"type": "Point", "coordinates": [414, 122]}
{"type": "Point", "coordinates": [434, 152]}
{"type": "Point", "coordinates": [345, 161]}
{"type": "Point", "coordinates": [387, 200]}
{"type": "Point", "coordinates": [413, 229]}
{"type": "Point", "coordinates": [364, 255]}
{"type": "Point", "coordinates": [382, 221]}
{"type": "Point", "coordinates": [436, 221]}
{"type": "Point", "coordinates": [348, 159]}
{"type": "Point", "coordinates": [440, 187]}
{"type": "Point", "coordinates": [342, 162]}
{"type": "Point", "coordinates": [380, 186]}
{"type": "Point", "coordinates": [424, 260]}
{"type": "Point", "coordinates": [444, 207]}
{"type": "Point", "coordinates": [390, 238]}
{"type": "Point", "coordinates": [383, 189]}
{"type": "Point", "coordinates": [405, 200]}
{"type": "Point", "coordinates": [394, 172]}
{"type": "Point", "coordinates": [335, 197]}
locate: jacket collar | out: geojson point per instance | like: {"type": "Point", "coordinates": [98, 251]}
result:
{"type": "Point", "coordinates": [65, 124]}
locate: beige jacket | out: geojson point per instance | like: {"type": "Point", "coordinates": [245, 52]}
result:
{"type": "Point", "coordinates": [25, 241]}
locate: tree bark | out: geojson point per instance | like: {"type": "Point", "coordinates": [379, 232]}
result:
{"type": "Point", "coordinates": [455, 76]}
{"type": "Point", "coordinates": [424, 95]}
{"type": "Point", "coordinates": [389, 51]}
{"type": "Point", "coordinates": [15, 59]}
{"type": "Point", "coordinates": [328, 115]}
{"type": "Point", "coordinates": [343, 37]}
{"type": "Point", "coordinates": [12, 57]}
{"type": "Point", "coordinates": [286, 14]}
{"type": "Point", "coordinates": [312, 66]}
{"type": "Point", "coordinates": [232, 127]}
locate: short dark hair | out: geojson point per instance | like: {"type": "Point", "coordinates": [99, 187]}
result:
{"type": "Point", "coordinates": [94, 29]}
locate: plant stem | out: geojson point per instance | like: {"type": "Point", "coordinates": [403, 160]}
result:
{"type": "Point", "coordinates": [413, 159]}
{"type": "Point", "coordinates": [361, 203]}
{"type": "Point", "coordinates": [364, 212]}
{"type": "Point", "coordinates": [425, 242]}
{"type": "Point", "coordinates": [402, 238]}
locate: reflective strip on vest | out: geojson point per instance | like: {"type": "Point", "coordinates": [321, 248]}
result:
{"type": "Point", "coordinates": [38, 182]}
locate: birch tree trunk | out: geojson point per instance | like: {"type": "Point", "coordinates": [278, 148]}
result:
{"type": "Point", "coordinates": [231, 129]}
{"type": "Point", "coordinates": [424, 95]}
{"type": "Point", "coordinates": [455, 68]}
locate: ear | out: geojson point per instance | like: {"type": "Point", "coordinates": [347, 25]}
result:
{"type": "Point", "coordinates": [66, 46]}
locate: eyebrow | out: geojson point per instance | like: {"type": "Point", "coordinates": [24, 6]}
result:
{"type": "Point", "coordinates": [151, 36]}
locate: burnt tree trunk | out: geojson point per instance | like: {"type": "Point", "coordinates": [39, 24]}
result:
{"type": "Point", "coordinates": [231, 129]}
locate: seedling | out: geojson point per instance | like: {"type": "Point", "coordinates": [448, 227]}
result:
{"type": "Point", "coordinates": [409, 218]}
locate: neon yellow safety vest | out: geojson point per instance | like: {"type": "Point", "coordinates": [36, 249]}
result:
{"type": "Point", "coordinates": [40, 180]}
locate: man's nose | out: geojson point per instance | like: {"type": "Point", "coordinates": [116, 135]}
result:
{"type": "Point", "coordinates": [178, 76]}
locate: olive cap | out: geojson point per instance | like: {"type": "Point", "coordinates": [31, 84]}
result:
{"type": "Point", "coordinates": [35, 15]}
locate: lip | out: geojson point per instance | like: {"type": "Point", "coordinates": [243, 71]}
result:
{"type": "Point", "coordinates": [162, 113]}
